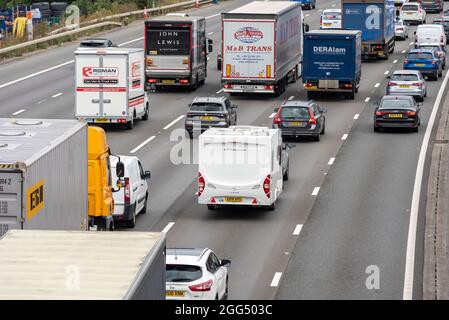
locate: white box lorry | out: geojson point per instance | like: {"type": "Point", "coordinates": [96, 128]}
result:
{"type": "Point", "coordinates": [43, 174]}
{"type": "Point", "coordinates": [82, 265]}
{"type": "Point", "coordinates": [241, 165]}
{"type": "Point", "coordinates": [262, 47]}
{"type": "Point", "coordinates": [110, 86]}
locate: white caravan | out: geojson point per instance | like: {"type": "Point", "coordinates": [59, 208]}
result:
{"type": "Point", "coordinates": [110, 86]}
{"type": "Point", "coordinates": [241, 166]}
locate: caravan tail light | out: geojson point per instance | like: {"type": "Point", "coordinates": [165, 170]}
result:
{"type": "Point", "coordinates": [266, 186]}
{"type": "Point", "coordinates": [201, 184]}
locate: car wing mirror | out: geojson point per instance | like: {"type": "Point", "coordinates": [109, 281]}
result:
{"type": "Point", "coordinates": [323, 110]}
{"type": "Point", "coordinates": [420, 104]}
{"type": "Point", "coordinates": [225, 263]}
{"type": "Point", "coordinates": [288, 146]}
{"type": "Point", "coordinates": [388, 77]}
{"type": "Point", "coordinates": [189, 105]}
{"type": "Point", "coordinates": [235, 106]}
{"type": "Point", "coordinates": [147, 175]}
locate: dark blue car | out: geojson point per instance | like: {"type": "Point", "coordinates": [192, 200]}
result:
{"type": "Point", "coordinates": [309, 4]}
{"type": "Point", "coordinates": [426, 61]}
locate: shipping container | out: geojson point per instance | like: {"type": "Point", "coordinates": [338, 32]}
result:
{"type": "Point", "coordinates": [82, 265]}
{"type": "Point", "coordinates": [261, 47]}
{"type": "Point", "coordinates": [375, 18]}
{"type": "Point", "coordinates": [332, 61]}
{"type": "Point", "coordinates": [43, 174]}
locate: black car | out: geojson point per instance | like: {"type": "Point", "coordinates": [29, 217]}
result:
{"type": "Point", "coordinates": [300, 118]}
{"type": "Point", "coordinates": [207, 112]}
{"type": "Point", "coordinates": [397, 112]}
{"type": "Point", "coordinates": [445, 22]}
{"type": "Point", "coordinates": [97, 43]}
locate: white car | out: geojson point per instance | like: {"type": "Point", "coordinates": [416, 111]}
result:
{"type": "Point", "coordinates": [195, 274]}
{"type": "Point", "coordinates": [401, 30]}
{"type": "Point", "coordinates": [330, 19]}
{"type": "Point", "coordinates": [412, 13]}
{"type": "Point", "coordinates": [132, 199]}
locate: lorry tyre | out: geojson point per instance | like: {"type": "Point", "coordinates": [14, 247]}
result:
{"type": "Point", "coordinates": [376, 129]}
{"type": "Point", "coordinates": [352, 95]}
{"type": "Point", "coordinates": [147, 113]}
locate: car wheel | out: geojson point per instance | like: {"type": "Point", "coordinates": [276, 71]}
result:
{"type": "Point", "coordinates": [440, 73]}
{"type": "Point", "coordinates": [211, 207]}
{"type": "Point", "coordinates": [272, 206]}
{"type": "Point", "coordinates": [190, 134]}
{"type": "Point", "coordinates": [323, 131]}
{"type": "Point", "coordinates": [132, 223]}
{"type": "Point", "coordinates": [226, 294]}
{"type": "Point", "coordinates": [415, 129]}
{"type": "Point", "coordinates": [316, 137]}
{"type": "Point", "coordinates": [144, 210]}
{"type": "Point", "coordinates": [147, 113]}
{"type": "Point", "coordinates": [285, 177]}
{"type": "Point", "coordinates": [130, 125]}
{"type": "Point", "coordinates": [376, 129]}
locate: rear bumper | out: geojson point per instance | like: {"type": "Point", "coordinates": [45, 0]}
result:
{"type": "Point", "coordinates": [396, 124]}
{"type": "Point", "coordinates": [124, 212]}
{"type": "Point", "coordinates": [204, 127]}
{"type": "Point", "coordinates": [218, 197]}
{"type": "Point", "coordinates": [414, 93]}
{"type": "Point", "coordinates": [425, 71]}
{"type": "Point", "coordinates": [105, 120]}
{"type": "Point", "coordinates": [288, 132]}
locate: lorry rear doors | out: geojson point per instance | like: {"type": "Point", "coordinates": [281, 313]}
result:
{"type": "Point", "coordinates": [10, 201]}
{"type": "Point", "coordinates": [102, 85]}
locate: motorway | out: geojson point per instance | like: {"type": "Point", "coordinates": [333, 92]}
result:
{"type": "Point", "coordinates": [346, 205]}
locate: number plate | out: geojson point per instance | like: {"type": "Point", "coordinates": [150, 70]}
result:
{"type": "Point", "coordinates": [233, 199]}
{"type": "Point", "coordinates": [101, 120]}
{"type": "Point", "coordinates": [175, 293]}
{"type": "Point", "coordinates": [419, 64]}
{"type": "Point", "coordinates": [395, 115]}
{"type": "Point", "coordinates": [327, 24]}
{"type": "Point", "coordinates": [205, 118]}
{"type": "Point", "coordinates": [404, 86]}
{"type": "Point", "coordinates": [248, 88]}
{"type": "Point", "coordinates": [168, 81]}
{"type": "Point", "coordinates": [296, 124]}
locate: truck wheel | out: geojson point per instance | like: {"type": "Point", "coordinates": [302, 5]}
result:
{"type": "Point", "coordinates": [147, 113]}
{"type": "Point", "coordinates": [130, 125]}
{"type": "Point", "coordinates": [440, 73]}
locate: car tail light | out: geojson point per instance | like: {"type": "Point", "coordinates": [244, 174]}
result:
{"type": "Point", "coordinates": [269, 87]}
{"type": "Point", "coordinates": [321, 21]}
{"type": "Point", "coordinates": [392, 84]}
{"type": "Point", "coordinates": [348, 85]}
{"type": "Point", "coordinates": [411, 113]}
{"type": "Point", "coordinates": [417, 84]}
{"type": "Point", "coordinates": [228, 86]}
{"type": "Point", "coordinates": [205, 286]}
{"type": "Point", "coordinates": [312, 119]}
{"type": "Point", "coordinates": [127, 191]}
{"type": "Point", "coordinates": [201, 184]}
{"type": "Point", "coordinates": [266, 186]}
{"type": "Point", "coordinates": [400, 28]}
{"type": "Point", "coordinates": [185, 61]}
{"type": "Point", "coordinates": [152, 80]}
{"type": "Point", "coordinates": [380, 113]}
{"type": "Point", "coordinates": [441, 39]}
{"type": "Point", "coordinates": [184, 81]}
{"type": "Point", "coordinates": [434, 62]}
{"type": "Point", "coordinates": [277, 118]}
{"type": "Point", "coordinates": [405, 61]}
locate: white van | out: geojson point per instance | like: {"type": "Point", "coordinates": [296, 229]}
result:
{"type": "Point", "coordinates": [110, 86]}
{"type": "Point", "coordinates": [241, 165]}
{"type": "Point", "coordinates": [430, 33]}
{"type": "Point", "coordinates": [132, 199]}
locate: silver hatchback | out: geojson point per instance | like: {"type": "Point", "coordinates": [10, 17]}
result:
{"type": "Point", "coordinates": [407, 83]}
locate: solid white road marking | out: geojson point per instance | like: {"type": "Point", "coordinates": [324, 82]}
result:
{"type": "Point", "coordinates": [128, 42]}
{"type": "Point", "coordinates": [356, 116]}
{"type": "Point", "coordinates": [367, 99]}
{"type": "Point", "coordinates": [307, 15]}
{"type": "Point", "coordinates": [377, 85]}
{"type": "Point", "coordinates": [18, 112]}
{"type": "Point", "coordinates": [36, 74]}
{"type": "Point", "coordinates": [220, 91]}
{"type": "Point", "coordinates": [56, 95]}
{"type": "Point", "coordinates": [212, 16]}
{"type": "Point", "coordinates": [315, 191]}
{"type": "Point", "coordinates": [411, 43]}
{"type": "Point", "coordinates": [411, 239]}
{"type": "Point", "coordinates": [276, 279]}
{"type": "Point", "coordinates": [386, 72]}
{"type": "Point", "coordinates": [173, 122]}
{"type": "Point", "coordinates": [42, 101]}
{"type": "Point", "coordinates": [394, 61]}
{"type": "Point", "coordinates": [344, 137]}
{"type": "Point", "coordinates": [142, 144]}
{"type": "Point", "coordinates": [403, 51]}
{"type": "Point", "coordinates": [291, 98]}
{"type": "Point", "coordinates": [168, 227]}
{"type": "Point", "coordinates": [272, 115]}
{"type": "Point", "coordinates": [331, 161]}
{"type": "Point", "coordinates": [297, 230]}
{"type": "Point", "coordinates": [210, 33]}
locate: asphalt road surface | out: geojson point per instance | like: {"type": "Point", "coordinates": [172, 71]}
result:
{"type": "Point", "coordinates": [358, 218]}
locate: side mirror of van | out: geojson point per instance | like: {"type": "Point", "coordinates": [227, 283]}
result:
{"type": "Point", "coordinates": [276, 109]}
{"type": "Point", "coordinates": [225, 263]}
{"type": "Point", "coordinates": [388, 77]}
{"type": "Point", "coordinates": [120, 169]}
{"type": "Point", "coordinates": [147, 175]}
{"type": "Point", "coordinates": [210, 46]}
{"type": "Point", "coordinates": [323, 110]}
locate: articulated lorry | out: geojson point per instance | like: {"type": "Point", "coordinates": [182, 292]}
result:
{"type": "Point", "coordinates": [261, 47]}
{"type": "Point", "coordinates": [334, 62]}
{"type": "Point", "coordinates": [54, 175]}
{"type": "Point", "coordinates": [176, 50]}
{"type": "Point", "coordinates": [375, 18]}
{"type": "Point", "coordinates": [82, 265]}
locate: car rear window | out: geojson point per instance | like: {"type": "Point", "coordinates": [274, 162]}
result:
{"type": "Point", "coordinates": [395, 104]}
{"type": "Point", "coordinates": [182, 273]}
{"type": "Point", "coordinates": [295, 112]}
{"type": "Point", "coordinates": [407, 7]}
{"type": "Point", "coordinates": [332, 16]}
{"type": "Point", "coordinates": [93, 44]}
{"type": "Point", "coordinates": [420, 56]}
{"type": "Point", "coordinates": [206, 107]}
{"type": "Point", "coordinates": [404, 77]}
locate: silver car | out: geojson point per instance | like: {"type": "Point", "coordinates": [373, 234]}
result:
{"type": "Point", "coordinates": [407, 83]}
{"type": "Point", "coordinates": [401, 30]}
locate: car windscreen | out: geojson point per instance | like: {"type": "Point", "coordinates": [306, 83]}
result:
{"type": "Point", "coordinates": [396, 104]}
{"type": "Point", "coordinates": [165, 41]}
{"type": "Point", "coordinates": [404, 77]}
{"type": "Point", "coordinates": [210, 107]}
{"type": "Point", "coordinates": [295, 112]}
{"type": "Point", "coordinates": [182, 273]}
{"type": "Point", "coordinates": [420, 56]}
{"type": "Point", "coordinates": [406, 7]}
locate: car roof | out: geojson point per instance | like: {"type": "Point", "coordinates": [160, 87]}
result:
{"type": "Point", "coordinates": [331, 10]}
{"type": "Point", "coordinates": [422, 51]}
{"type": "Point", "coordinates": [296, 103]}
{"type": "Point", "coordinates": [95, 39]}
{"type": "Point", "coordinates": [210, 99]}
{"type": "Point", "coordinates": [406, 72]}
{"type": "Point", "coordinates": [185, 255]}
{"type": "Point", "coordinates": [390, 97]}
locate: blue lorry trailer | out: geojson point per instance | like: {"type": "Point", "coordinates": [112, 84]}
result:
{"type": "Point", "coordinates": [332, 62]}
{"type": "Point", "coordinates": [375, 18]}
